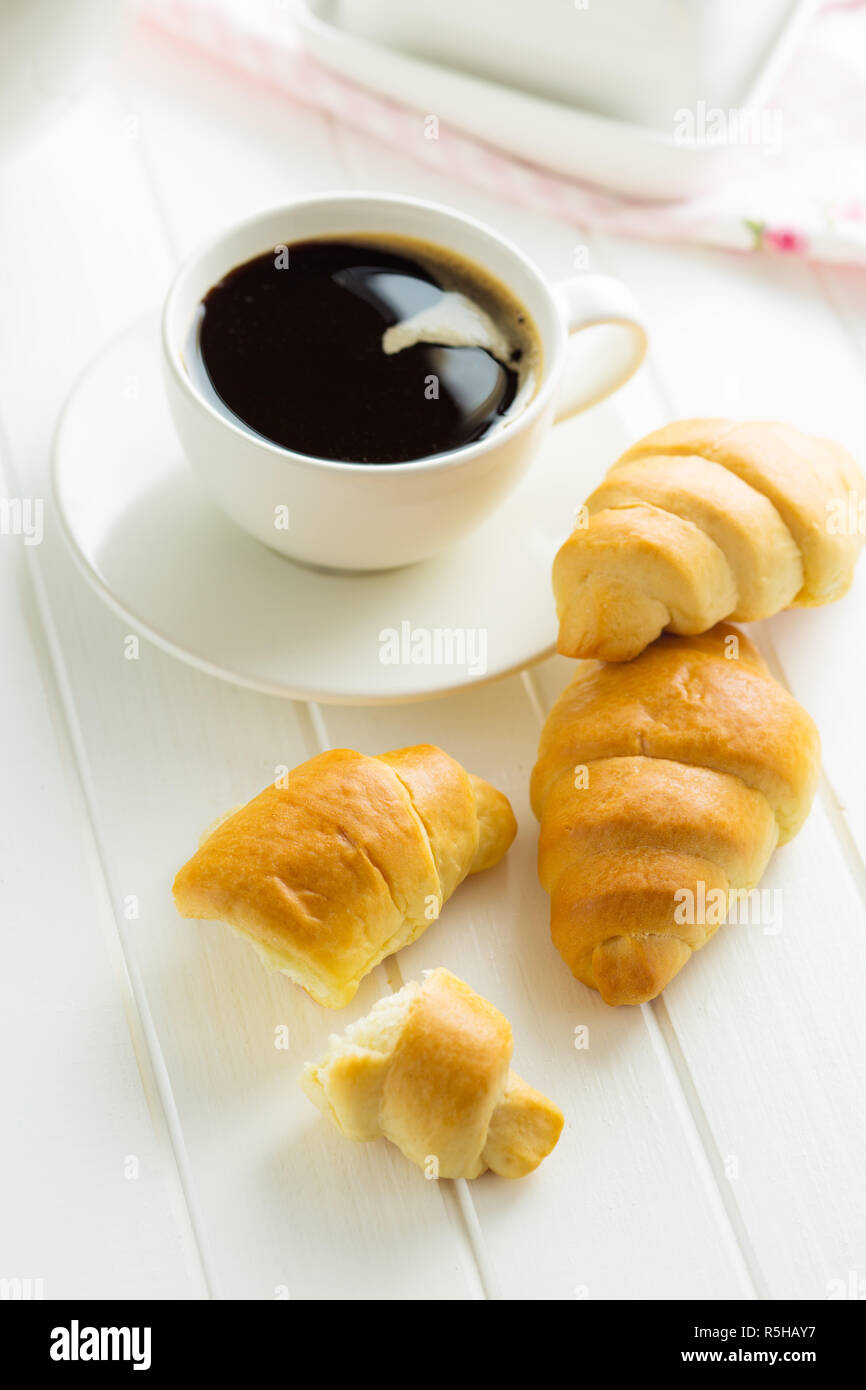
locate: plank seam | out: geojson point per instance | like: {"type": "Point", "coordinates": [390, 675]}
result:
{"type": "Point", "coordinates": [703, 1145]}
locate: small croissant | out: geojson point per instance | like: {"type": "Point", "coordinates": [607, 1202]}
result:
{"type": "Point", "coordinates": [346, 861]}
{"type": "Point", "coordinates": [428, 1068]}
{"type": "Point", "coordinates": [702, 521]}
{"type": "Point", "coordinates": [664, 784]}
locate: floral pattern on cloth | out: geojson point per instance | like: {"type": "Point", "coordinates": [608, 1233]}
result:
{"type": "Point", "coordinates": [802, 195]}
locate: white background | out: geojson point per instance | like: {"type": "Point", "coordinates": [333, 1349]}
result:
{"type": "Point", "coordinates": [714, 1144]}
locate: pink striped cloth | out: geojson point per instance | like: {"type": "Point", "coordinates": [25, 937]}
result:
{"type": "Point", "coordinates": [808, 199]}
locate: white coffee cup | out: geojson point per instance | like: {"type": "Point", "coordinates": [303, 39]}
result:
{"type": "Point", "coordinates": [354, 516]}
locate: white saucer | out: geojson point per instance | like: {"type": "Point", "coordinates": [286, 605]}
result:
{"type": "Point", "coordinates": [159, 552]}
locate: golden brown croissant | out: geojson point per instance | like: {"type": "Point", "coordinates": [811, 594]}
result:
{"type": "Point", "coordinates": [704, 520]}
{"type": "Point", "coordinates": [346, 860]}
{"type": "Point", "coordinates": [428, 1068]}
{"type": "Point", "coordinates": [662, 785]}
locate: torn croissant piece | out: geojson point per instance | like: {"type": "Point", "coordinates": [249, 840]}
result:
{"type": "Point", "coordinates": [345, 861]}
{"type": "Point", "coordinates": [706, 520]}
{"type": "Point", "coordinates": [428, 1068]}
{"type": "Point", "coordinates": [662, 785]}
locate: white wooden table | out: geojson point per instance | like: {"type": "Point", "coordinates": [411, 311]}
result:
{"type": "Point", "coordinates": [156, 1141]}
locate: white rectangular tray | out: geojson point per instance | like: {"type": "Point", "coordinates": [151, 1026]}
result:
{"type": "Point", "coordinates": [626, 158]}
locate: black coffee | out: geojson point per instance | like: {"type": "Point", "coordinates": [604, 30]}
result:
{"type": "Point", "coordinates": [295, 343]}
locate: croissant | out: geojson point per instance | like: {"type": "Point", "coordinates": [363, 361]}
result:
{"type": "Point", "coordinates": [663, 785]}
{"type": "Point", "coordinates": [345, 861]}
{"type": "Point", "coordinates": [428, 1068]}
{"type": "Point", "coordinates": [705, 520]}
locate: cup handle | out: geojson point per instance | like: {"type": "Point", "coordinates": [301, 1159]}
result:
{"type": "Point", "coordinates": [589, 301]}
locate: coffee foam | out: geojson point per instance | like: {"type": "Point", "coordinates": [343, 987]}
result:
{"type": "Point", "coordinates": [453, 321]}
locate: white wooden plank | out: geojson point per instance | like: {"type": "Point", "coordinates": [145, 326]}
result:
{"type": "Point", "coordinates": [92, 1207]}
